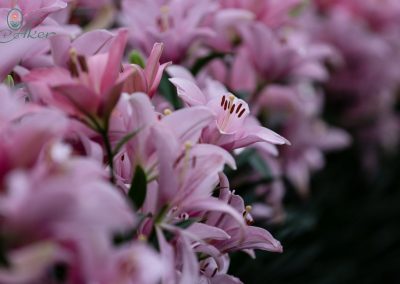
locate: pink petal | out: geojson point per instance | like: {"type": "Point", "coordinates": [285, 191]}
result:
{"type": "Point", "coordinates": [188, 123]}
{"type": "Point", "coordinates": [189, 92]}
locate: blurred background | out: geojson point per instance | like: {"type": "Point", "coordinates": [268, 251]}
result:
{"type": "Point", "coordinates": [347, 231]}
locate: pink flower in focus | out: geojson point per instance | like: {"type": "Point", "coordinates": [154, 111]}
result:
{"type": "Point", "coordinates": [233, 128]}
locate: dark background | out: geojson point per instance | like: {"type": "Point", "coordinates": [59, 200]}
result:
{"type": "Point", "coordinates": [347, 231]}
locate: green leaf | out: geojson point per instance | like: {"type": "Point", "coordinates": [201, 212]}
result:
{"type": "Point", "coordinates": [202, 62]}
{"type": "Point", "coordinates": [169, 92]}
{"type": "Point", "coordinates": [125, 140]}
{"type": "Point", "coordinates": [124, 237]}
{"type": "Point", "coordinates": [184, 224]}
{"type": "Point", "coordinates": [136, 58]}
{"type": "Point", "coordinates": [259, 165]}
{"type": "Point", "coordinates": [9, 81]}
{"type": "Point", "coordinates": [60, 272]}
{"type": "Point", "coordinates": [137, 192]}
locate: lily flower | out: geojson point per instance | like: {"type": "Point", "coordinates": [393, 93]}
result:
{"type": "Point", "coordinates": [176, 23]}
{"type": "Point", "coordinates": [147, 79]}
{"type": "Point", "coordinates": [90, 88]}
{"type": "Point", "coordinates": [233, 127]}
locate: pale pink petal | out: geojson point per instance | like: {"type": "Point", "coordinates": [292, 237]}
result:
{"type": "Point", "coordinates": [189, 92]}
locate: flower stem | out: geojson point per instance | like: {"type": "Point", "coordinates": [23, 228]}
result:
{"type": "Point", "coordinates": [109, 152]}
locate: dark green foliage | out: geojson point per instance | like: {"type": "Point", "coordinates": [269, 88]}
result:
{"type": "Point", "coordinates": [348, 231]}
{"type": "Point", "coordinates": [168, 91]}
{"type": "Point", "coordinates": [138, 190]}
{"type": "Point", "coordinates": [202, 62]}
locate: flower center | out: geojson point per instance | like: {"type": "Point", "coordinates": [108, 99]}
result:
{"type": "Point", "coordinates": [77, 64]}
{"type": "Point", "coordinates": [232, 109]}
{"type": "Point", "coordinates": [165, 21]}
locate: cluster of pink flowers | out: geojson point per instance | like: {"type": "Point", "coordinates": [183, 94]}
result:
{"type": "Point", "coordinates": [105, 180]}
{"type": "Point", "coordinates": [365, 75]}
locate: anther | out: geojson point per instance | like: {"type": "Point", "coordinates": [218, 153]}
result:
{"type": "Point", "coordinates": [142, 237]}
{"type": "Point", "coordinates": [164, 19]}
{"type": "Point", "coordinates": [194, 160]}
{"type": "Point", "coordinates": [239, 107]}
{"type": "Point", "coordinates": [73, 63]}
{"type": "Point", "coordinates": [232, 108]}
{"type": "Point", "coordinates": [225, 105]}
{"type": "Point", "coordinates": [83, 63]}
{"type": "Point", "coordinates": [164, 9]}
{"type": "Point", "coordinates": [188, 145]}
{"type": "Point", "coordinates": [167, 111]}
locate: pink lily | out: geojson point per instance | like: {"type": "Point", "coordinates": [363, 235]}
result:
{"type": "Point", "coordinates": [87, 44]}
{"type": "Point", "coordinates": [295, 109]}
{"type": "Point", "coordinates": [135, 263]}
{"type": "Point", "coordinates": [51, 195]}
{"type": "Point", "coordinates": [176, 23]}
{"type": "Point", "coordinates": [272, 13]}
{"type": "Point", "coordinates": [232, 128]}
{"type": "Point", "coordinates": [135, 112]}
{"type": "Point", "coordinates": [252, 238]}
{"type": "Point", "coordinates": [98, 77]}
{"type": "Point", "coordinates": [147, 80]}
{"type": "Point", "coordinates": [24, 132]}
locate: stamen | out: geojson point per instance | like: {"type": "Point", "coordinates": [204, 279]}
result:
{"type": "Point", "coordinates": [180, 157]}
{"type": "Point", "coordinates": [194, 160]}
{"type": "Point", "coordinates": [246, 215]}
{"type": "Point", "coordinates": [214, 272]}
{"type": "Point", "coordinates": [167, 111]}
{"type": "Point", "coordinates": [74, 64]}
{"type": "Point", "coordinates": [188, 145]}
{"type": "Point", "coordinates": [232, 108]}
{"type": "Point", "coordinates": [73, 54]}
{"type": "Point", "coordinates": [164, 19]}
{"type": "Point", "coordinates": [83, 63]}
{"type": "Point", "coordinates": [73, 69]}
{"type": "Point", "coordinates": [142, 237]}
{"type": "Point", "coordinates": [164, 9]}
{"type": "Point", "coordinates": [223, 101]}
{"type": "Point", "coordinates": [186, 162]}
{"type": "Point", "coordinates": [184, 216]}
{"type": "Point", "coordinates": [248, 208]}
{"type": "Point", "coordinates": [225, 105]}
{"type": "Point", "coordinates": [239, 107]}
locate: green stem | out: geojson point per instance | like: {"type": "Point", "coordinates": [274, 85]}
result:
{"type": "Point", "coordinates": [109, 152]}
